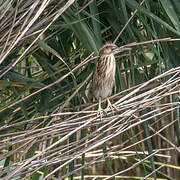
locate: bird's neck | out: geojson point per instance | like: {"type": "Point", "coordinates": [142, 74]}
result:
{"type": "Point", "coordinates": [110, 64]}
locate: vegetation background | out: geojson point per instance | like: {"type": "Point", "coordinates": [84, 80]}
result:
{"type": "Point", "coordinates": [49, 128]}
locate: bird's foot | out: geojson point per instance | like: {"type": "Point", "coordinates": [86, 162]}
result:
{"type": "Point", "coordinates": [100, 110]}
{"type": "Point", "coordinates": [112, 107]}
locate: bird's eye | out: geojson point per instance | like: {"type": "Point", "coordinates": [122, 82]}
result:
{"type": "Point", "coordinates": [114, 48]}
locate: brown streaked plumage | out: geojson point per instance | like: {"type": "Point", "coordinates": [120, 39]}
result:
{"type": "Point", "coordinates": [104, 73]}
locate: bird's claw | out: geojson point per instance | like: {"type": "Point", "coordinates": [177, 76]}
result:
{"type": "Point", "coordinates": [101, 111]}
{"type": "Point", "coordinates": [112, 107]}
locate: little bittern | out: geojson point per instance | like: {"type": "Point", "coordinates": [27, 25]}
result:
{"type": "Point", "coordinates": [104, 73]}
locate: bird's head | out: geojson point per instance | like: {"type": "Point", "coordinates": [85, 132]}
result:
{"type": "Point", "coordinates": [110, 48]}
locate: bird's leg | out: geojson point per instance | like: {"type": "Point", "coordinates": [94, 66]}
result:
{"type": "Point", "coordinates": [100, 110]}
{"type": "Point", "coordinates": [110, 105]}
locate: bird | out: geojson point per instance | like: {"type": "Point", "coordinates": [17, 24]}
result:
{"type": "Point", "coordinates": [103, 78]}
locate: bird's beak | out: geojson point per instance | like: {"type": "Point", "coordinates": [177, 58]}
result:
{"type": "Point", "coordinates": [121, 49]}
